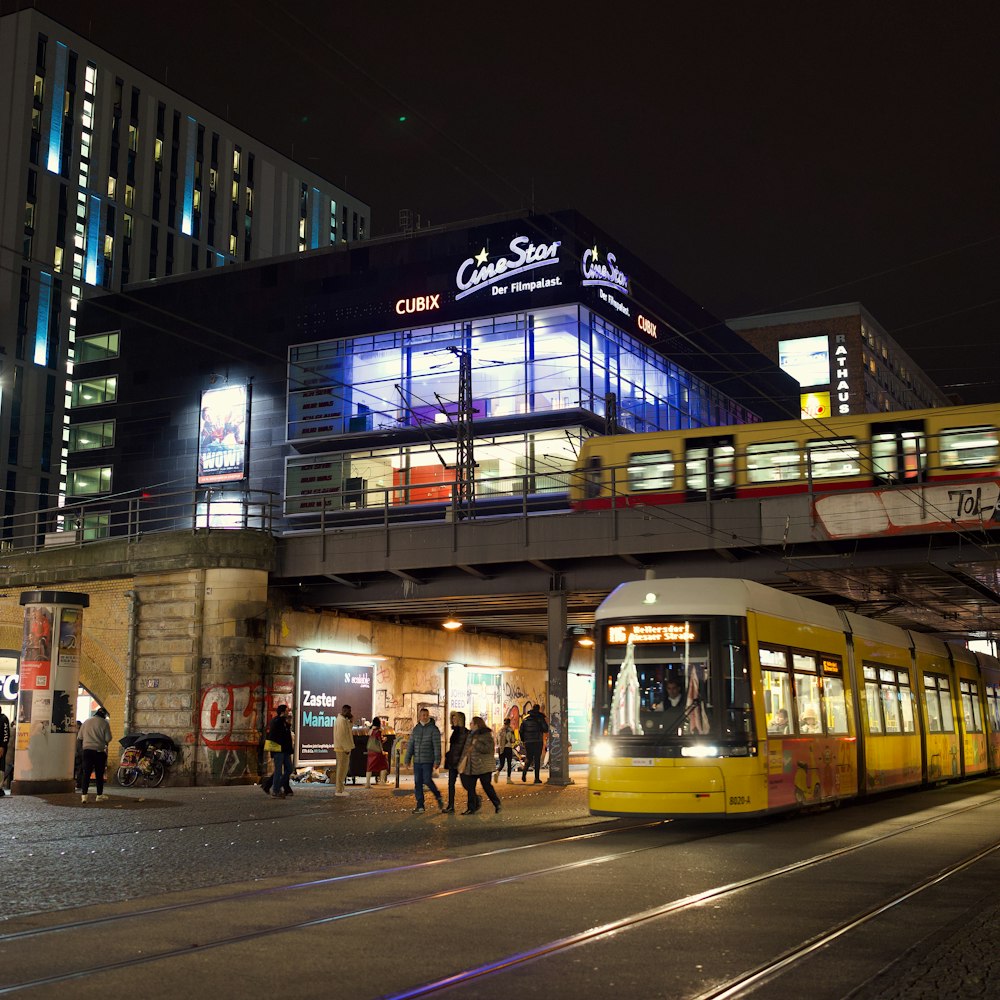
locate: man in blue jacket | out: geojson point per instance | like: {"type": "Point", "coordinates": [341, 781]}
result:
{"type": "Point", "coordinates": [424, 750]}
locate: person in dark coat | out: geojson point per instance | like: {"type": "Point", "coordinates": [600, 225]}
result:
{"type": "Point", "coordinates": [280, 732]}
{"type": "Point", "coordinates": [533, 730]}
{"type": "Point", "coordinates": [456, 746]}
{"type": "Point", "coordinates": [4, 743]}
{"type": "Point", "coordinates": [476, 765]}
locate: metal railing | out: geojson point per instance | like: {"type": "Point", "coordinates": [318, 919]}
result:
{"type": "Point", "coordinates": [131, 515]}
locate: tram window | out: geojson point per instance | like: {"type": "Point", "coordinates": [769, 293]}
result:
{"type": "Point", "coordinates": [874, 710]}
{"type": "Point", "coordinates": [773, 462]}
{"type": "Point", "coordinates": [834, 458]}
{"type": "Point", "coordinates": [970, 706]}
{"type": "Point", "coordinates": [906, 704]}
{"type": "Point", "coordinates": [834, 705]}
{"type": "Point", "coordinates": [652, 471]}
{"type": "Point", "coordinates": [807, 703]}
{"type": "Point", "coordinates": [969, 446]}
{"type": "Point", "coordinates": [938, 698]}
{"type": "Point", "coordinates": [776, 658]}
{"type": "Point", "coordinates": [993, 706]}
{"type": "Point", "coordinates": [805, 662]}
{"type": "Point", "coordinates": [777, 700]}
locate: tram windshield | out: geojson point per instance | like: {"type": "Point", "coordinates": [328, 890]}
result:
{"type": "Point", "coordinates": [660, 680]}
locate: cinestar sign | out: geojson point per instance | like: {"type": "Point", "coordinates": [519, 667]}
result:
{"type": "Point", "coordinates": [478, 273]}
{"type": "Point", "coordinates": [606, 275]}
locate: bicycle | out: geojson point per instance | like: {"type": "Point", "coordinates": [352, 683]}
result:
{"type": "Point", "coordinates": [148, 765]}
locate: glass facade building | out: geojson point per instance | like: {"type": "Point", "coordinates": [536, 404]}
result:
{"type": "Point", "coordinates": [551, 363]}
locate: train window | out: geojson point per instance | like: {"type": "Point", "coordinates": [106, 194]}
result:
{"type": "Point", "coordinates": [773, 462]}
{"type": "Point", "coordinates": [970, 706]}
{"type": "Point", "coordinates": [938, 696]}
{"type": "Point", "coordinates": [834, 458]}
{"type": "Point", "coordinates": [899, 456]}
{"type": "Point", "coordinates": [592, 478]}
{"type": "Point", "coordinates": [804, 662]}
{"type": "Point", "coordinates": [889, 700]}
{"type": "Point", "coordinates": [652, 471]}
{"type": "Point", "coordinates": [834, 705]}
{"type": "Point", "coordinates": [709, 467]}
{"type": "Point", "coordinates": [969, 446]}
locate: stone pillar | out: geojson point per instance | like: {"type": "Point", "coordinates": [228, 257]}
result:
{"type": "Point", "coordinates": [558, 690]}
{"type": "Point", "coordinates": [46, 701]}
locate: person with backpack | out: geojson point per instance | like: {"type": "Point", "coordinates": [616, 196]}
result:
{"type": "Point", "coordinates": [533, 730]}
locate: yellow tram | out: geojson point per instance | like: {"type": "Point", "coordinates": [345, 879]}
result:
{"type": "Point", "coordinates": [719, 697]}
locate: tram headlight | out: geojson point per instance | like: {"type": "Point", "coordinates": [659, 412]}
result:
{"type": "Point", "coordinates": [700, 750]}
{"type": "Point", "coordinates": [603, 750]}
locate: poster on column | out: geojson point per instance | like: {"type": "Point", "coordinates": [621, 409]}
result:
{"type": "Point", "coordinates": [36, 649]}
{"type": "Point", "coordinates": [324, 687]}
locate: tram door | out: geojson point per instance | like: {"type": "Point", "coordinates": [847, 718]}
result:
{"type": "Point", "coordinates": [899, 452]}
{"type": "Point", "coordinates": [709, 468]}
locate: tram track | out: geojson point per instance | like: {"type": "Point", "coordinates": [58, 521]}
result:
{"type": "Point", "coordinates": [269, 929]}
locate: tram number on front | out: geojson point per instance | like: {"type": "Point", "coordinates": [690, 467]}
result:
{"type": "Point", "coordinates": [739, 800]}
{"type": "Point", "coordinates": [642, 761]}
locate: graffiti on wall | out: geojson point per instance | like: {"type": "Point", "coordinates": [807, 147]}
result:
{"type": "Point", "coordinates": [231, 716]}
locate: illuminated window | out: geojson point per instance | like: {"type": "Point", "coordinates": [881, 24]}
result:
{"type": "Point", "coordinates": [158, 150]}
{"type": "Point", "coordinates": [196, 200]}
{"type": "Point", "coordinates": [39, 88]}
{"type": "Point", "coordinates": [57, 259]}
{"type": "Point", "coordinates": [129, 196]}
{"type": "Point", "coordinates": [109, 247]}
{"type": "Point", "coordinates": [889, 700]}
{"type": "Point", "coordinates": [937, 694]}
{"type": "Point", "coordinates": [833, 458]}
{"type": "Point", "coordinates": [651, 471]}
{"type": "Point", "coordinates": [88, 437]}
{"type": "Point", "coordinates": [971, 713]}
{"type": "Point", "coordinates": [112, 187]}
{"type": "Point", "coordinates": [249, 199]}
{"type": "Point", "coordinates": [236, 160]}
{"type": "Point", "coordinates": [92, 392]}
{"type": "Point", "coordinates": [29, 215]}
{"type": "Point", "coordinates": [133, 137]}
{"type": "Point", "coordinates": [89, 482]}
{"type": "Point", "coordinates": [969, 446]}
{"type": "Point", "coordinates": [232, 244]}
{"type": "Point", "coordinates": [236, 192]}
{"type": "Point", "coordinates": [772, 462]}
{"type": "Point", "coordinates": [98, 347]}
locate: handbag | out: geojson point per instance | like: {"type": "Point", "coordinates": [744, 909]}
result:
{"type": "Point", "coordinates": [272, 746]}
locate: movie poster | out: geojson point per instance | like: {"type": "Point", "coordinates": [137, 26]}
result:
{"type": "Point", "coordinates": [222, 442]}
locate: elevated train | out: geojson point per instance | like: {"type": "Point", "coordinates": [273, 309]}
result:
{"type": "Point", "coordinates": [862, 451]}
{"type": "Point", "coordinates": [718, 698]}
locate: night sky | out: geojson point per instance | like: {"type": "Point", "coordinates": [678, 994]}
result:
{"type": "Point", "coordinates": [761, 156]}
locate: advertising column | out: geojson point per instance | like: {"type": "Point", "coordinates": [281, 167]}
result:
{"type": "Point", "coordinates": [46, 701]}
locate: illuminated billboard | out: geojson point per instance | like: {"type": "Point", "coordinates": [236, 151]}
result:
{"type": "Point", "coordinates": [806, 359]}
{"type": "Point", "coordinates": [815, 405]}
{"type": "Point", "coordinates": [222, 442]}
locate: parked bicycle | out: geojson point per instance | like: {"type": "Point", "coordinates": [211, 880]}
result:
{"type": "Point", "coordinates": [146, 759]}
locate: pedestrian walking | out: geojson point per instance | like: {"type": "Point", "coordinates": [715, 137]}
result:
{"type": "Point", "coordinates": [533, 730]}
{"type": "Point", "coordinates": [506, 741]}
{"type": "Point", "coordinates": [377, 762]}
{"type": "Point", "coordinates": [343, 743]}
{"type": "Point", "coordinates": [8, 769]}
{"type": "Point", "coordinates": [424, 749]}
{"type": "Point", "coordinates": [95, 734]}
{"type": "Point", "coordinates": [476, 765]}
{"type": "Point", "coordinates": [456, 746]}
{"type": "Point", "coordinates": [78, 760]}
{"type": "Point", "coordinates": [4, 743]}
{"type": "Point", "coordinates": [279, 745]}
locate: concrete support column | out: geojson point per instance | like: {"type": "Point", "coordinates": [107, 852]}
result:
{"type": "Point", "coordinates": [558, 690]}
{"type": "Point", "coordinates": [46, 700]}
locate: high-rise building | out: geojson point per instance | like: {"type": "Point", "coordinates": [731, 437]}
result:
{"type": "Point", "coordinates": [108, 177]}
{"type": "Point", "coordinates": [843, 359]}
